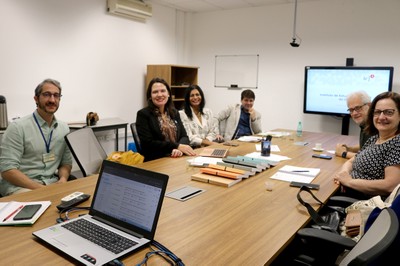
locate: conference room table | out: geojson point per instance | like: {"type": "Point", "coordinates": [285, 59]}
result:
{"type": "Point", "coordinates": [244, 224]}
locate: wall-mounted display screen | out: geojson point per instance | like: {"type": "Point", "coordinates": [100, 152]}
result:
{"type": "Point", "coordinates": [326, 88]}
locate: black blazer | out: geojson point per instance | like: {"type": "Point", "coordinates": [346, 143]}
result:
{"type": "Point", "coordinates": [152, 140]}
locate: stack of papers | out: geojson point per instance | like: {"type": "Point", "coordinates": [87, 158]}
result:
{"type": "Point", "coordinates": [250, 139]}
{"type": "Point", "coordinates": [203, 161]}
{"type": "Point", "coordinates": [275, 134]}
{"type": "Point", "coordinates": [272, 157]}
{"type": "Point", "coordinates": [294, 173]}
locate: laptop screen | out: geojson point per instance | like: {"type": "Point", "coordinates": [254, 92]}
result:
{"type": "Point", "coordinates": [130, 197]}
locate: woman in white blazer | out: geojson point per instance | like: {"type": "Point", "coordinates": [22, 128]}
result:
{"type": "Point", "coordinates": [199, 122]}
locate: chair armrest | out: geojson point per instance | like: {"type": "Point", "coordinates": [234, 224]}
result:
{"type": "Point", "coordinates": [327, 237]}
{"type": "Point", "coordinates": [70, 177]}
{"type": "Point", "coordinates": [341, 201]}
{"type": "Point", "coordinates": [320, 247]}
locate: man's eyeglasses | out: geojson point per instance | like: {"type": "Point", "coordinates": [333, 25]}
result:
{"type": "Point", "coordinates": [49, 94]}
{"type": "Point", "coordinates": [386, 112]}
{"type": "Point", "coordinates": [357, 108]}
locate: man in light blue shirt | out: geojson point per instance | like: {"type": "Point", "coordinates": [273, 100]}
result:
{"type": "Point", "coordinates": [33, 147]}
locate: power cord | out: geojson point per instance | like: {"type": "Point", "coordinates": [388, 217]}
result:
{"type": "Point", "coordinates": [164, 252]}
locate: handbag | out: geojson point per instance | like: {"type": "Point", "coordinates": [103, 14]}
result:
{"type": "Point", "coordinates": [358, 213]}
{"type": "Point", "coordinates": [328, 218]}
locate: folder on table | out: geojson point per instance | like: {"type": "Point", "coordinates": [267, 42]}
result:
{"type": "Point", "coordinates": [243, 173]}
{"type": "Point", "coordinates": [220, 173]}
{"type": "Point", "coordinates": [216, 180]}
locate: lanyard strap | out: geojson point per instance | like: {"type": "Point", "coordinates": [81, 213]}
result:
{"type": "Point", "coordinates": [51, 134]}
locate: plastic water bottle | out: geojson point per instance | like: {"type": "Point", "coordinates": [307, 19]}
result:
{"type": "Point", "coordinates": [299, 129]}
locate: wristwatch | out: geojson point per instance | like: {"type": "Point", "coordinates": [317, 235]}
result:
{"type": "Point", "coordinates": [344, 154]}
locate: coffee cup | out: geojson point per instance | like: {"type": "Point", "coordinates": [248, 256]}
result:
{"type": "Point", "coordinates": [318, 146]}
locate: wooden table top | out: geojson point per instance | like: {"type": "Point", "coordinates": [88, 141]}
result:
{"type": "Point", "coordinates": [241, 225]}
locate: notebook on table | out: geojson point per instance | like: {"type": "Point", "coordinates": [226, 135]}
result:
{"type": "Point", "coordinates": [214, 152]}
{"type": "Point", "coordinates": [126, 203]}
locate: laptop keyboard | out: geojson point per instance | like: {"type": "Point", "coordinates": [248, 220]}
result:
{"type": "Point", "coordinates": [218, 152]}
{"type": "Point", "coordinates": [99, 235]}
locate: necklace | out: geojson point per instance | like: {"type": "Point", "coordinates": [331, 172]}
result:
{"type": "Point", "coordinates": [382, 140]}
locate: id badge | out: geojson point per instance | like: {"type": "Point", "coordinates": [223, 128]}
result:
{"type": "Point", "coordinates": [48, 157]}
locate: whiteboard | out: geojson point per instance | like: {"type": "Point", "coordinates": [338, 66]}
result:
{"type": "Point", "coordinates": [236, 71]}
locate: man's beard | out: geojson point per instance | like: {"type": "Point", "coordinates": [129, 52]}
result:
{"type": "Point", "coordinates": [44, 108]}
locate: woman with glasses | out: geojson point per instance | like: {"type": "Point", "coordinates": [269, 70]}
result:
{"type": "Point", "coordinates": [375, 170]}
{"type": "Point", "coordinates": [159, 126]}
{"type": "Point", "coordinates": [199, 122]}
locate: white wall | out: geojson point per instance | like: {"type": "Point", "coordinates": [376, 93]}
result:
{"type": "Point", "coordinates": [99, 59]}
{"type": "Point", "coordinates": [331, 31]}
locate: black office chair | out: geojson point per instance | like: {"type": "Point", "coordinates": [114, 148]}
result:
{"type": "Point", "coordinates": [313, 250]}
{"type": "Point", "coordinates": [136, 137]}
{"type": "Point", "coordinates": [325, 247]}
{"type": "Point", "coordinates": [86, 150]}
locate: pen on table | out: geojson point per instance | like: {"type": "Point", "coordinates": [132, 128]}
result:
{"type": "Point", "coordinates": [11, 214]}
{"type": "Point", "coordinates": [191, 194]}
{"type": "Point", "coordinates": [300, 171]}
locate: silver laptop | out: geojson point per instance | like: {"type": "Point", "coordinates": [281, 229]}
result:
{"type": "Point", "coordinates": [214, 152]}
{"type": "Point", "coordinates": [127, 201]}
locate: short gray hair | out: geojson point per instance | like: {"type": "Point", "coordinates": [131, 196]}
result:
{"type": "Point", "coordinates": [39, 87]}
{"type": "Point", "coordinates": [365, 98]}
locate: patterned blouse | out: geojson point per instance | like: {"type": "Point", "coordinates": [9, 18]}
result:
{"type": "Point", "coordinates": [371, 161]}
{"type": "Point", "coordinates": [167, 126]}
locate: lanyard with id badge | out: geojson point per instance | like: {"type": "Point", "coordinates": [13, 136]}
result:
{"type": "Point", "coordinates": [49, 156]}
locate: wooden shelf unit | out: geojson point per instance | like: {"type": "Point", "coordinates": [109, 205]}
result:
{"type": "Point", "coordinates": [177, 76]}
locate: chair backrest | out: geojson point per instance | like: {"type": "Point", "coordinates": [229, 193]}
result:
{"type": "Point", "coordinates": [86, 149]}
{"type": "Point", "coordinates": [136, 137]}
{"type": "Point", "coordinates": [375, 241]}
{"type": "Point", "coordinates": [393, 195]}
